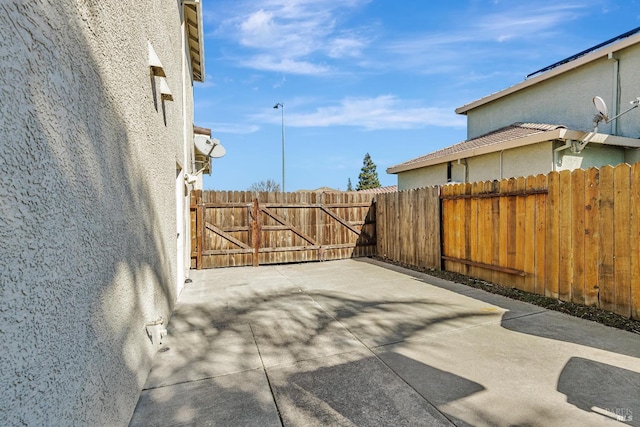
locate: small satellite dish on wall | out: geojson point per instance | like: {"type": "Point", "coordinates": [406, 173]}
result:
{"type": "Point", "coordinates": [601, 106]}
{"type": "Point", "coordinates": [209, 147]}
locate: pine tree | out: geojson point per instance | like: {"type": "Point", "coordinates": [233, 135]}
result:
{"type": "Point", "coordinates": [368, 177]}
{"type": "Point", "coordinates": [349, 186]}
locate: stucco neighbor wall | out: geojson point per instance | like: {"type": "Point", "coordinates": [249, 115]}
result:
{"type": "Point", "coordinates": [593, 155]}
{"type": "Point", "coordinates": [88, 212]}
{"type": "Point", "coordinates": [423, 177]}
{"type": "Point", "coordinates": [632, 155]}
{"type": "Point", "coordinates": [522, 161]}
{"type": "Point", "coordinates": [567, 99]}
{"type": "Point", "coordinates": [528, 160]}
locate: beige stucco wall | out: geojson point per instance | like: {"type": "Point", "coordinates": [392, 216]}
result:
{"type": "Point", "coordinates": [88, 213]}
{"type": "Point", "coordinates": [593, 155]}
{"type": "Point", "coordinates": [524, 161]}
{"type": "Point", "coordinates": [632, 155]}
{"type": "Point", "coordinates": [567, 99]}
{"type": "Point", "coordinates": [424, 177]}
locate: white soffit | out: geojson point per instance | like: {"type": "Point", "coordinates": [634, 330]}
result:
{"type": "Point", "coordinates": [195, 37]}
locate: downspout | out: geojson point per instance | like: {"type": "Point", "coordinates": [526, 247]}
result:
{"type": "Point", "coordinates": [463, 162]}
{"type": "Point", "coordinates": [567, 144]}
{"type": "Point", "coordinates": [615, 92]}
{"type": "Point", "coordinates": [501, 152]}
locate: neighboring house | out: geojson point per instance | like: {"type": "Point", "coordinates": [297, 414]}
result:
{"type": "Point", "coordinates": [97, 135]}
{"type": "Point", "coordinates": [201, 163]}
{"type": "Point", "coordinates": [380, 190]}
{"type": "Point", "coordinates": [544, 123]}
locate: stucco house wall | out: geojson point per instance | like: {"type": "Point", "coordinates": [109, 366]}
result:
{"type": "Point", "coordinates": [89, 158]}
{"type": "Point", "coordinates": [424, 177]}
{"type": "Point", "coordinates": [524, 161]}
{"type": "Point", "coordinates": [593, 155]}
{"type": "Point", "coordinates": [567, 99]}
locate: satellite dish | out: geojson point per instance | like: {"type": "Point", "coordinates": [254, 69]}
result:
{"type": "Point", "coordinates": [601, 106]}
{"type": "Point", "coordinates": [209, 147]}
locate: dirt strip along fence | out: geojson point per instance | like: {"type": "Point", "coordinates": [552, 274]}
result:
{"type": "Point", "coordinates": [236, 228]}
{"type": "Point", "coordinates": [574, 236]}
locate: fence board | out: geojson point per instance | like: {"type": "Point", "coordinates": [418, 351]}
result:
{"type": "Point", "coordinates": [540, 236]}
{"type": "Point", "coordinates": [605, 256]}
{"type": "Point", "coordinates": [564, 234]}
{"type": "Point", "coordinates": [635, 241]}
{"type": "Point", "coordinates": [591, 236]}
{"type": "Point", "coordinates": [503, 238]}
{"type": "Point", "coordinates": [577, 236]}
{"type": "Point", "coordinates": [528, 236]}
{"type": "Point", "coordinates": [518, 231]}
{"type": "Point", "coordinates": [622, 245]}
{"type": "Point", "coordinates": [552, 259]}
{"type": "Point", "coordinates": [472, 229]}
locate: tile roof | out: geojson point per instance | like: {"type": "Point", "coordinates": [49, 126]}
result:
{"type": "Point", "coordinates": [507, 133]}
{"type": "Point", "coordinates": [380, 190]}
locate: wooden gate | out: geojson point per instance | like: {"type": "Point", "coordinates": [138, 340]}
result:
{"type": "Point", "coordinates": [234, 228]}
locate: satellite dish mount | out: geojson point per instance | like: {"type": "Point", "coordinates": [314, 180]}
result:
{"type": "Point", "coordinates": [603, 111]}
{"type": "Point", "coordinates": [602, 116]}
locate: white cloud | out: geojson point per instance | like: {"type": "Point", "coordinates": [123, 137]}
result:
{"type": "Point", "coordinates": [284, 65]}
{"type": "Point", "coordinates": [381, 112]}
{"type": "Point", "coordinates": [230, 128]}
{"type": "Point", "coordinates": [292, 36]}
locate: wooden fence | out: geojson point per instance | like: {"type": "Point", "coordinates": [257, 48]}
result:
{"type": "Point", "coordinates": [408, 227]}
{"type": "Point", "coordinates": [574, 236]}
{"type": "Point", "coordinates": [235, 228]}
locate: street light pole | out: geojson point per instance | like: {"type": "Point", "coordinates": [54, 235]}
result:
{"type": "Point", "coordinates": [281, 106]}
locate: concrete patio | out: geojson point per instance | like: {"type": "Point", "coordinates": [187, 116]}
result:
{"type": "Point", "coordinates": [363, 343]}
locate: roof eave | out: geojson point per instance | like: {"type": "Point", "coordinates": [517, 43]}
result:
{"type": "Point", "coordinates": [197, 59]}
{"type": "Point", "coordinates": [590, 57]}
{"type": "Point", "coordinates": [556, 134]}
{"type": "Point", "coordinates": [505, 145]}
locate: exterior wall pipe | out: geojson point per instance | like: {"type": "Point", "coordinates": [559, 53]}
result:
{"type": "Point", "coordinates": [615, 91]}
{"type": "Point", "coordinates": [567, 144]}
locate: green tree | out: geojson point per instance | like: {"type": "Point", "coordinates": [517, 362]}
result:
{"type": "Point", "coordinates": [368, 177]}
{"type": "Point", "coordinates": [349, 186]}
{"type": "Point", "coordinates": [268, 185]}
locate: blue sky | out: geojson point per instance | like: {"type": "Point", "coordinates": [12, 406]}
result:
{"type": "Point", "coordinates": [359, 76]}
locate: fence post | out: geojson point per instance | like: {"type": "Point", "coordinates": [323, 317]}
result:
{"type": "Point", "coordinates": [199, 227]}
{"type": "Point", "coordinates": [255, 232]}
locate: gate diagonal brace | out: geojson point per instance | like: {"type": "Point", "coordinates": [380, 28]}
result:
{"type": "Point", "coordinates": [226, 236]}
{"type": "Point", "coordinates": [288, 225]}
{"type": "Point", "coordinates": [345, 223]}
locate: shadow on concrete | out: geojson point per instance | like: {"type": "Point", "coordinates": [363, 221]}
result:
{"type": "Point", "coordinates": [361, 391]}
{"type": "Point", "coordinates": [232, 400]}
{"type": "Point", "coordinates": [215, 339]}
{"type": "Point", "coordinates": [601, 388]}
{"type": "Point", "coordinates": [548, 324]}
